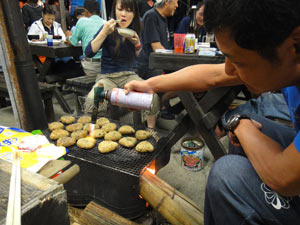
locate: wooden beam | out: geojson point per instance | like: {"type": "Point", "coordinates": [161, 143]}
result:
{"type": "Point", "coordinates": [95, 214]}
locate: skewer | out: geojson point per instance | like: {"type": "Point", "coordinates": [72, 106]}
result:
{"type": "Point", "coordinates": [13, 216]}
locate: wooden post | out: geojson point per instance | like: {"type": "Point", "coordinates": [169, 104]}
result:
{"type": "Point", "coordinates": [94, 214]}
{"type": "Point", "coordinates": [170, 203]}
{"type": "Point", "coordinates": [18, 69]}
{"type": "Point", "coordinates": [62, 15]}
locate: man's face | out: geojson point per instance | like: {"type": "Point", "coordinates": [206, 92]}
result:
{"type": "Point", "coordinates": [171, 7]}
{"type": "Point", "coordinates": [48, 19]}
{"type": "Point", "coordinates": [258, 74]}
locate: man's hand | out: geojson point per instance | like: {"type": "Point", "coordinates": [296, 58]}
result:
{"type": "Point", "coordinates": [68, 33]}
{"type": "Point", "coordinates": [233, 138]}
{"type": "Point", "coordinates": [137, 85]}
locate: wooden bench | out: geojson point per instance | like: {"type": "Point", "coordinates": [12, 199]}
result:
{"type": "Point", "coordinates": [80, 86]}
{"type": "Point", "coordinates": [47, 92]}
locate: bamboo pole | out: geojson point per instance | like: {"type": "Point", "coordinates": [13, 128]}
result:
{"type": "Point", "coordinates": [170, 203]}
{"type": "Point", "coordinates": [94, 214]}
{"type": "Point", "coordinates": [13, 216]}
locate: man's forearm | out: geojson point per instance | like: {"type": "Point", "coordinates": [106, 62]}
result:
{"type": "Point", "coordinates": [271, 162]}
{"type": "Point", "coordinates": [197, 78]}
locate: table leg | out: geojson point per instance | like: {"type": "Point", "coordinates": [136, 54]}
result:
{"type": "Point", "coordinates": [62, 102]}
{"type": "Point", "coordinates": [49, 109]}
{"type": "Point", "coordinates": [42, 68]}
{"type": "Point", "coordinates": [204, 123]}
{"type": "Point", "coordinates": [46, 66]}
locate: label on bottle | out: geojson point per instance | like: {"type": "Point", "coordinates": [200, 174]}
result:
{"type": "Point", "coordinates": [134, 100]}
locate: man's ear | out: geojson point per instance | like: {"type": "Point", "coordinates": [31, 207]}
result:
{"type": "Point", "coordinates": [296, 39]}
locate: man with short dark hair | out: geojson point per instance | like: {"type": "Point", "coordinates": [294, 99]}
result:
{"type": "Point", "coordinates": [85, 30]}
{"type": "Point", "coordinates": [31, 12]}
{"type": "Point", "coordinates": [259, 181]}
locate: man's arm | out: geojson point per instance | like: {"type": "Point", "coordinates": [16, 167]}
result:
{"type": "Point", "coordinates": [156, 45]}
{"type": "Point", "coordinates": [197, 78]}
{"type": "Point", "coordinates": [277, 167]}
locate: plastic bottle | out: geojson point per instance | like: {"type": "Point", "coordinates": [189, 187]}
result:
{"type": "Point", "coordinates": [117, 96]}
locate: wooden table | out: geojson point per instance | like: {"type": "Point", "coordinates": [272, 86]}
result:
{"type": "Point", "coordinates": [177, 61]}
{"type": "Point", "coordinates": [204, 113]}
{"type": "Point", "coordinates": [52, 52]}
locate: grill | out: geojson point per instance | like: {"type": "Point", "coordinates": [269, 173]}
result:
{"type": "Point", "coordinates": [112, 179]}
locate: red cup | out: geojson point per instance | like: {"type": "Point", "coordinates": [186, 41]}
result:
{"type": "Point", "coordinates": [179, 43]}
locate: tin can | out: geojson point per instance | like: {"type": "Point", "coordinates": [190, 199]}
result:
{"type": "Point", "coordinates": [189, 43]}
{"type": "Point", "coordinates": [133, 100]}
{"type": "Point", "coordinates": [192, 153]}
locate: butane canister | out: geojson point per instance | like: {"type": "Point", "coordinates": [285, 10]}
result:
{"type": "Point", "coordinates": [133, 100]}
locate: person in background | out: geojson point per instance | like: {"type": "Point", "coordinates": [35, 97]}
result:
{"type": "Point", "coordinates": [85, 30]}
{"type": "Point", "coordinates": [259, 181]}
{"type": "Point", "coordinates": [118, 52]}
{"type": "Point", "coordinates": [54, 5]}
{"type": "Point", "coordinates": [155, 34]}
{"type": "Point", "coordinates": [31, 12]}
{"type": "Point", "coordinates": [144, 6]}
{"type": "Point", "coordinates": [79, 12]}
{"type": "Point", "coordinates": [47, 24]}
{"type": "Point", "coordinates": [185, 22]}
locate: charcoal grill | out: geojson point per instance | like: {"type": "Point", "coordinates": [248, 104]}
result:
{"type": "Point", "coordinates": [112, 179]}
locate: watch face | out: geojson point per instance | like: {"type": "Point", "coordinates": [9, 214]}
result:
{"type": "Point", "coordinates": [233, 122]}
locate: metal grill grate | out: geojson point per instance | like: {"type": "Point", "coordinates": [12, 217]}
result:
{"type": "Point", "coordinates": [123, 159]}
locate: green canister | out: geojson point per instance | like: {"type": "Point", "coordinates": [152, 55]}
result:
{"type": "Point", "coordinates": [192, 153]}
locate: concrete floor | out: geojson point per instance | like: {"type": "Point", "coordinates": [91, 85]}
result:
{"type": "Point", "coordinates": [192, 184]}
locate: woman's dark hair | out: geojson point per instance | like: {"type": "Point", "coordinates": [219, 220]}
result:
{"type": "Point", "coordinates": [135, 25]}
{"type": "Point", "coordinates": [259, 25]}
{"type": "Point", "coordinates": [92, 6]}
{"type": "Point", "coordinates": [199, 4]}
{"type": "Point", "coordinates": [48, 10]}
{"type": "Point", "coordinates": [79, 10]}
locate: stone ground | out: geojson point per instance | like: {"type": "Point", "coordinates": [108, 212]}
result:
{"type": "Point", "coordinates": [190, 183]}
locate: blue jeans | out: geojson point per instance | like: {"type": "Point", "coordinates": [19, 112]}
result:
{"type": "Point", "coordinates": [272, 105]}
{"type": "Point", "coordinates": [235, 195]}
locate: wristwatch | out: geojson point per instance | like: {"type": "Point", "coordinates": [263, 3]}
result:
{"type": "Point", "coordinates": [234, 121]}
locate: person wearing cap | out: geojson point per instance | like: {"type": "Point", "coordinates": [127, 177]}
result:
{"type": "Point", "coordinates": [86, 28]}
{"type": "Point", "coordinates": [258, 182]}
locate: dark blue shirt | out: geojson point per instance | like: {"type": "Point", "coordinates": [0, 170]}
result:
{"type": "Point", "coordinates": [112, 62]}
{"type": "Point", "coordinates": [49, 31]}
{"type": "Point", "coordinates": [155, 30]}
{"type": "Point", "coordinates": [292, 97]}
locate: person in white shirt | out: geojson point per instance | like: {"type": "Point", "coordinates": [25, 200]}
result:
{"type": "Point", "coordinates": [46, 24]}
